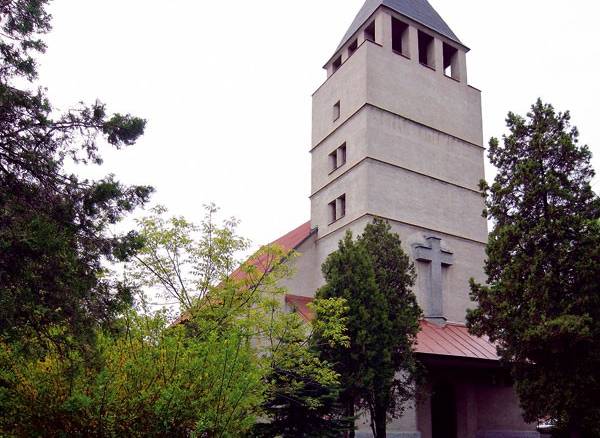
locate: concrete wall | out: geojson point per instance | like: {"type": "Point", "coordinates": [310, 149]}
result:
{"type": "Point", "coordinates": [306, 268]}
{"type": "Point", "coordinates": [353, 185]}
{"type": "Point", "coordinates": [426, 202]}
{"type": "Point", "coordinates": [468, 262]}
{"type": "Point", "coordinates": [354, 134]}
{"type": "Point", "coordinates": [483, 407]}
{"type": "Point", "coordinates": [404, 143]}
{"type": "Point", "coordinates": [348, 86]}
{"type": "Point", "coordinates": [403, 86]}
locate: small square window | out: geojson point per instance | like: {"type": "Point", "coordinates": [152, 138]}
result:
{"type": "Point", "coordinates": [337, 209]}
{"type": "Point", "coordinates": [336, 111]}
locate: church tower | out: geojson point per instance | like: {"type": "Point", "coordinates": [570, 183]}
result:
{"type": "Point", "coordinates": [397, 134]}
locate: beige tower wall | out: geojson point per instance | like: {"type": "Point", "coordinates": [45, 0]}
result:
{"type": "Point", "coordinates": [414, 148]}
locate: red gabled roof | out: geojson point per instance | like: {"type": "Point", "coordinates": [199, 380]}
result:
{"type": "Point", "coordinates": [300, 305]}
{"type": "Point", "coordinates": [295, 237]}
{"type": "Point", "coordinates": [264, 262]}
{"type": "Point", "coordinates": [288, 242]}
{"type": "Point", "coordinates": [450, 339]}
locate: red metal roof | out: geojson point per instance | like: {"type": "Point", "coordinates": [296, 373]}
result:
{"type": "Point", "coordinates": [295, 237]}
{"type": "Point", "coordinates": [450, 339]}
{"type": "Point", "coordinates": [288, 242]}
{"type": "Point", "coordinates": [300, 305]}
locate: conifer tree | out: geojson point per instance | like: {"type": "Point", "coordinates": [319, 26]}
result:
{"type": "Point", "coordinates": [54, 242]}
{"type": "Point", "coordinates": [375, 277]}
{"type": "Point", "coordinates": [395, 276]}
{"type": "Point", "coordinates": [542, 305]}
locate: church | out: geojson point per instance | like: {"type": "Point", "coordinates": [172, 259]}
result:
{"type": "Point", "coordinates": [397, 134]}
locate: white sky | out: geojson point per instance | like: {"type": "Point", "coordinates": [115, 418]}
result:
{"type": "Point", "coordinates": [226, 86]}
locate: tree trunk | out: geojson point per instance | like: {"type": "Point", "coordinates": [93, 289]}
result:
{"type": "Point", "coordinates": [380, 420]}
{"type": "Point", "coordinates": [349, 411]}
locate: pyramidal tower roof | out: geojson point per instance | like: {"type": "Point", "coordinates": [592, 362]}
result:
{"type": "Point", "coordinates": [419, 10]}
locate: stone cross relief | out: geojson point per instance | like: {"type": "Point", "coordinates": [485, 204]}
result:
{"type": "Point", "coordinates": [432, 253]}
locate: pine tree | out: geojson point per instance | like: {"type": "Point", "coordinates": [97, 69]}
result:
{"type": "Point", "coordinates": [375, 277]}
{"type": "Point", "coordinates": [542, 305]}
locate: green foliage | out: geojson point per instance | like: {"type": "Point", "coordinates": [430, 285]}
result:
{"type": "Point", "coordinates": [542, 305]}
{"type": "Point", "coordinates": [303, 390]}
{"type": "Point", "coordinates": [151, 380]}
{"type": "Point", "coordinates": [195, 266]}
{"type": "Point", "coordinates": [51, 222]}
{"type": "Point", "coordinates": [183, 261]}
{"type": "Point", "coordinates": [374, 276]}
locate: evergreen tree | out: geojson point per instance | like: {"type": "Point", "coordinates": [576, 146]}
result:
{"type": "Point", "coordinates": [542, 305]}
{"type": "Point", "coordinates": [395, 276]}
{"type": "Point", "coordinates": [53, 239]}
{"type": "Point", "coordinates": [374, 276]}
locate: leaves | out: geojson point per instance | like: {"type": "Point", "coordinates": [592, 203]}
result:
{"type": "Point", "coordinates": [150, 380]}
{"type": "Point", "coordinates": [373, 276]}
{"type": "Point", "coordinates": [52, 222]}
{"type": "Point", "coordinates": [542, 303]}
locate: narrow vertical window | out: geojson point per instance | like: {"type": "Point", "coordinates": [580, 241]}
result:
{"type": "Point", "coordinates": [333, 161]}
{"type": "Point", "coordinates": [426, 49]}
{"type": "Point", "coordinates": [332, 212]}
{"type": "Point", "coordinates": [341, 155]}
{"type": "Point", "coordinates": [370, 32]}
{"type": "Point", "coordinates": [341, 207]}
{"type": "Point", "coordinates": [399, 37]}
{"type": "Point", "coordinates": [352, 48]}
{"type": "Point", "coordinates": [337, 64]}
{"type": "Point", "coordinates": [336, 111]}
{"type": "Point", "coordinates": [450, 61]}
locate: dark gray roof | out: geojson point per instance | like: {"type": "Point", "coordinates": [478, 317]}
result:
{"type": "Point", "coordinates": [419, 10]}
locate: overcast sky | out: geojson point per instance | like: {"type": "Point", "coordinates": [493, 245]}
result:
{"type": "Point", "coordinates": [226, 86]}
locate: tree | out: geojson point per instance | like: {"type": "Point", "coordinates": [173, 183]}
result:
{"type": "Point", "coordinates": [395, 276]}
{"type": "Point", "coordinates": [150, 379]}
{"type": "Point", "coordinates": [303, 391]}
{"type": "Point", "coordinates": [212, 373]}
{"type": "Point", "coordinates": [542, 305]}
{"type": "Point", "coordinates": [182, 261]}
{"type": "Point", "coordinates": [196, 266]}
{"type": "Point", "coordinates": [374, 276]}
{"type": "Point", "coordinates": [53, 226]}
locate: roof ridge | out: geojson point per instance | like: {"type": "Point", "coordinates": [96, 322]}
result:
{"type": "Point", "coordinates": [420, 11]}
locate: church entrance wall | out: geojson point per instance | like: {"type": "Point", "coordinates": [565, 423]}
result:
{"type": "Point", "coordinates": [469, 399]}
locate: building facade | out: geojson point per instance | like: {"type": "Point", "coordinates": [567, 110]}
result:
{"type": "Point", "coordinates": [397, 134]}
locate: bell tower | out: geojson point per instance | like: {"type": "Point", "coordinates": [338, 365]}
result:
{"type": "Point", "coordinates": [397, 134]}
